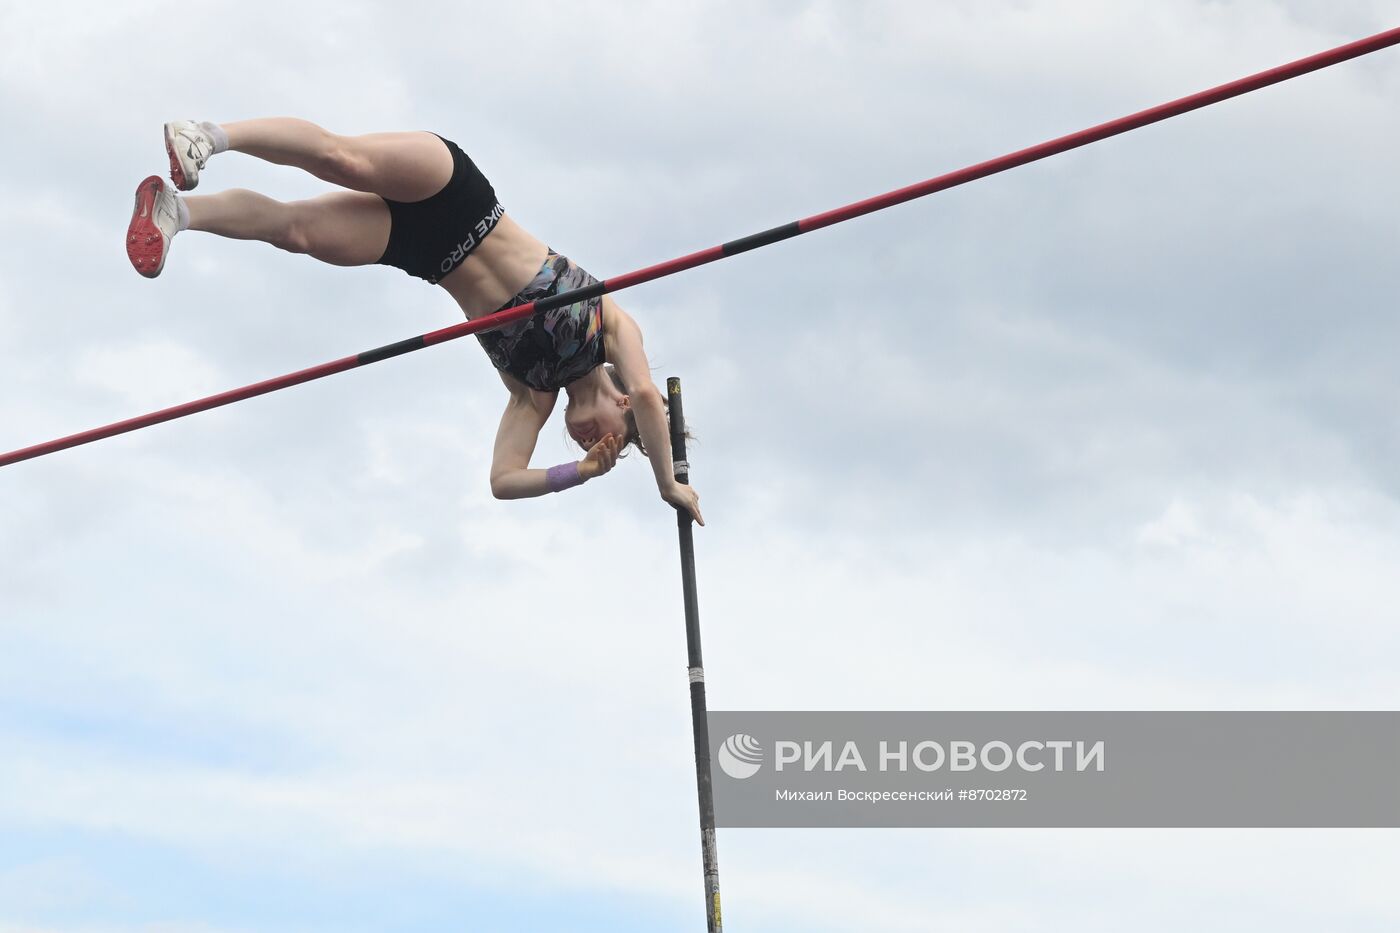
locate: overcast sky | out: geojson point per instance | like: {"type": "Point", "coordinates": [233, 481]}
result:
{"type": "Point", "coordinates": [1117, 430]}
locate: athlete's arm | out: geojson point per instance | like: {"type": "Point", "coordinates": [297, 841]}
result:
{"type": "Point", "coordinates": [648, 407]}
{"type": "Point", "coordinates": [511, 476]}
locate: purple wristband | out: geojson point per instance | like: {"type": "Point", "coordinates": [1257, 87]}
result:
{"type": "Point", "coordinates": [563, 476]}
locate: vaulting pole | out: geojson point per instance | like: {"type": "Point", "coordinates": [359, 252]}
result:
{"type": "Point", "coordinates": [709, 855]}
{"type": "Point", "coordinates": [952, 179]}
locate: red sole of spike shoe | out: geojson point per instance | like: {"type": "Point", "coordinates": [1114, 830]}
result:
{"type": "Point", "coordinates": [177, 174]}
{"type": "Point", "coordinates": [145, 244]}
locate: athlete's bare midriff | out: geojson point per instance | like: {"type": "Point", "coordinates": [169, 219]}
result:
{"type": "Point", "coordinates": [501, 265]}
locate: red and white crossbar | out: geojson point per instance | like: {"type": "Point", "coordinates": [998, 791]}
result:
{"type": "Point", "coordinates": [617, 283]}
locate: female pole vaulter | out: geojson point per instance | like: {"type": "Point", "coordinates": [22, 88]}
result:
{"type": "Point", "coordinates": [418, 203]}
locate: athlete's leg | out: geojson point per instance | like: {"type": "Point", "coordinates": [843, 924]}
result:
{"type": "Point", "coordinates": [398, 166]}
{"type": "Point", "coordinates": [344, 228]}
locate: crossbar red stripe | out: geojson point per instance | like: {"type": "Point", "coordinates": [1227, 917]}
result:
{"type": "Point", "coordinates": [617, 283]}
{"type": "Point", "coordinates": [257, 388]}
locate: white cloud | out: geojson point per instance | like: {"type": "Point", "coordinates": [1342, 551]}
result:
{"type": "Point", "coordinates": [149, 374]}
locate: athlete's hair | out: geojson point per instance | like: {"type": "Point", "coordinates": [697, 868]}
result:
{"type": "Point", "coordinates": [633, 436]}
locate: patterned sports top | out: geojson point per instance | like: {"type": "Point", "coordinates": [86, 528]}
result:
{"type": "Point", "coordinates": [550, 349]}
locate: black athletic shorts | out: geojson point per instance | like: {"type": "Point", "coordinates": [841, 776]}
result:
{"type": "Point", "coordinates": [430, 238]}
